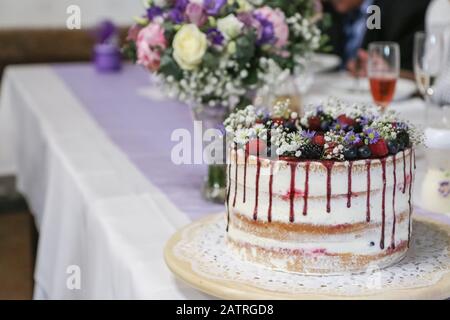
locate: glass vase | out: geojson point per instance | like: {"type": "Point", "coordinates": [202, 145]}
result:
{"type": "Point", "coordinates": [214, 185]}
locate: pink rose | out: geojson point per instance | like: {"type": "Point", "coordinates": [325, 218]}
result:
{"type": "Point", "coordinates": [196, 14]}
{"type": "Point", "coordinates": [133, 32]}
{"type": "Point", "coordinates": [149, 44]}
{"type": "Point", "coordinates": [278, 20]}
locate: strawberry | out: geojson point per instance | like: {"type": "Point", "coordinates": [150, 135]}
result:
{"type": "Point", "coordinates": [314, 123]}
{"type": "Point", "coordinates": [379, 149]}
{"type": "Point", "coordinates": [344, 120]}
{"type": "Point", "coordinates": [319, 140]}
{"type": "Point", "coordinates": [256, 147]}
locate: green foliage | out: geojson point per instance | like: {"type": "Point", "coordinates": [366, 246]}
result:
{"type": "Point", "coordinates": [169, 67]}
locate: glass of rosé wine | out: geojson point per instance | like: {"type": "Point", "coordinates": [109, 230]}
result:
{"type": "Point", "coordinates": [383, 70]}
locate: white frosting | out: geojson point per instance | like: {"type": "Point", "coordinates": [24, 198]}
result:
{"type": "Point", "coordinates": [365, 241]}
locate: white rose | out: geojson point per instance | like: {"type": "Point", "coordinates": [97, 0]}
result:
{"type": "Point", "coordinates": [189, 46]}
{"type": "Point", "coordinates": [230, 26]}
{"type": "Point", "coordinates": [160, 3]}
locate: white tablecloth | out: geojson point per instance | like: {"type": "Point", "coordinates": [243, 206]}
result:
{"type": "Point", "coordinates": [92, 207]}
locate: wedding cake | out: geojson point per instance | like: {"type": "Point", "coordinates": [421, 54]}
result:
{"type": "Point", "coordinates": [329, 192]}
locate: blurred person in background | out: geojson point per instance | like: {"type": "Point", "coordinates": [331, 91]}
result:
{"type": "Point", "coordinates": [438, 19]}
{"type": "Point", "coordinates": [350, 37]}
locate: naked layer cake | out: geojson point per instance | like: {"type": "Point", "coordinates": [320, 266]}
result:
{"type": "Point", "coordinates": [326, 193]}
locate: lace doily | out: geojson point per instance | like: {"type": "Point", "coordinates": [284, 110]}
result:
{"type": "Point", "coordinates": [428, 260]}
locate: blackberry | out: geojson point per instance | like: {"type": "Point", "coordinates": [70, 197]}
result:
{"type": "Point", "coordinates": [312, 151]}
{"type": "Point", "coordinates": [403, 139]}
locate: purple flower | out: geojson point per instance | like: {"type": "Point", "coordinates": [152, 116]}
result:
{"type": "Point", "coordinates": [308, 134]}
{"type": "Point", "coordinates": [213, 7]}
{"type": "Point", "coordinates": [154, 12]}
{"type": "Point", "coordinates": [176, 16]}
{"type": "Point", "coordinates": [372, 135]}
{"type": "Point", "coordinates": [352, 138]}
{"type": "Point", "coordinates": [337, 126]}
{"type": "Point", "coordinates": [215, 36]}
{"type": "Point", "coordinates": [266, 30]}
{"type": "Point", "coordinates": [196, 14]}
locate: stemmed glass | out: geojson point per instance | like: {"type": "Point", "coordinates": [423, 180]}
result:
{"type": "Point", "coordinates": [429, 54]}
{"type": "Point", "coordinates": [383, 69]}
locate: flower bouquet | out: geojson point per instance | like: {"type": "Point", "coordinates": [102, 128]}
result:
{"type": "Point", "coordinates": [215, 52]}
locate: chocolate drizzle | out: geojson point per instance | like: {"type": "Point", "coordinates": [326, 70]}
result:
{"type": "Point", "coordinates": [258, 172]}
{"type": "Point", "coordinates": [235, 174]}
{"type": "Point", "coordinates": [394, 163]}
{"type": "Point", "coordinates": [349, 185]}
{"type": "Point", "coordinates": [228, 195]}
{"type": "Point", "coordinates": [306, 191]}
{"type": "Point", "coordinates": [269, 210]}
{"type": "Point", "coordinates": [329, 166]}
{"type": "Point", "coordinates": [245, 175]}
{"type": "Point", "coordinates": [404, 172]}
{"type": "Point", "coordinates": [383, 202]}
{"type": "Point", "coordinates": [293, 166]}
{"type": "Point", "coordinates": [368, 163]}
{"type": "Point", "coordinates": [409, 194]}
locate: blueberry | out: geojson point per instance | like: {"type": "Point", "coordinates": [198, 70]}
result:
{"type": "Point", "coordinates": [325, 125]}
{"type": "Point", "coordinates": [364, 152]}
{"type": "Point", "coordinates": [351, 154]}
{"type": "Point", "coordinates": [290, 126]}
{"type": "Point", "coordinates": [393, 146]}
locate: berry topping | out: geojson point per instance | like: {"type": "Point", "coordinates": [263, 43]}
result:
{"type": "Point", "coordinates": [364, 152]}
{"type": "Point", "coordinates": [351, 153]}
{"type": "Point", "coordinates": [312, 151]}
{"type": "Point", "coordinates": [344, 120]}
{"type": "Point", "coordinates": [393, 146]}
{"type": "Point", "coordinates": [379, 148]}
{"type": "Point", "coordinates": [314, 123]}
{"type": "Point", "coordinates": [319, 140]}
{"type": "Point", "coordinates": [256, 146]}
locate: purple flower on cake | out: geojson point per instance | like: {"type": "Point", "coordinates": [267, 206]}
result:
{"type": "Point", "coordinates": [150, 42]}
{"type": "Point", "coordinates": [196, 14]}
{"type": "Point", "coordinates": [352, 138]}
{"type": "Point", "coordinates": [213, 7]}
{"type": "Point", "coordinates": [278, 20]}
{"type": "Point", "coordinates": [372, 136]}
{"type": "Point", "coordinates": [308, 134]}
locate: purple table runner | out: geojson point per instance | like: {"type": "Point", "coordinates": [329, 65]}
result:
{"type": "Point", "coordinates": [141, 128]}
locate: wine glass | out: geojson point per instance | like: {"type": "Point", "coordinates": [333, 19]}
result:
{"type": "Point", "coordinates": [428, 57]}
{"type": "Point", "coordinates": [383, 69]}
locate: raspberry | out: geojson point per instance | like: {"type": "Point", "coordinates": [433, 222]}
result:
{"type": "Point", "coordinates": [314, 123]}
{"type": "Point", "coordinates": [319, 140]}
{"type": "Point", "coordinates": [253, 145]}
